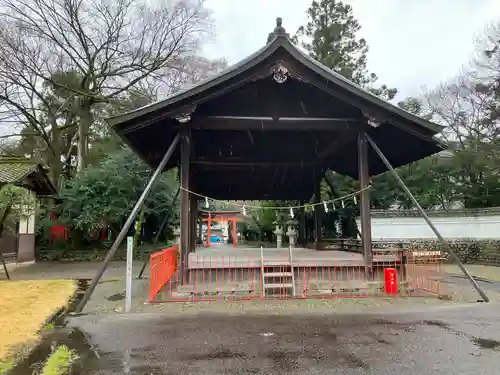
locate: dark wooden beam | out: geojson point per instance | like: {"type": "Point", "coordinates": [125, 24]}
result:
{"type": "Point", "coordinates": [269, 123]}
{"type": "Point", "coordinates": [352, 99]}
{"type": "Point", "coordinates": [275, 177]}
{"type": "Point", "coordinates": [213, 163]}
{"type": "Point", "coordinates": [285, 170]}
{"type": "Point", "coordinates": [257, 194]}
{"type": "Point", "coordinates": [337, 145]}
{"type": "Point", "coordinates": [250, 136]}
{"type": "Point", "coordinates": [364, 180]}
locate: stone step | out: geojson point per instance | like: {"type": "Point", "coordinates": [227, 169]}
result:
{"type": "Point", "coordinates": [278, 286]}
{"type": "Point", "coordinates": [278, 274]}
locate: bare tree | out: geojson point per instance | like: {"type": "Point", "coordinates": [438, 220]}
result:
{"type": "Point", "coordinates": [469, 107]}
{"type": "Point", "coordinates": [111, 45]}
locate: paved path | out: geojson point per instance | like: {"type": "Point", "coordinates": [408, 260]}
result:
{"type": "Point", "coordinates": [70, 270]}
{"type": "Point", "coordinates": [452, 340]}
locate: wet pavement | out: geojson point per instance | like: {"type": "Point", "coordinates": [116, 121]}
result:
{"type": "Point", "coordinates": [485, 284]}
{"type": "Point", "coordinates": [461, 339]}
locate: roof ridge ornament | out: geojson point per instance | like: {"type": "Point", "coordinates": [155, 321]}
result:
{"type": "Point", "coordinates": [279, 30]}
{"type": "Point", "coordinates": [280, 72]}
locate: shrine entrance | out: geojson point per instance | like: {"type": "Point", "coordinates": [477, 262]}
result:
{"type": "Point", "coordinates": [230, 218]}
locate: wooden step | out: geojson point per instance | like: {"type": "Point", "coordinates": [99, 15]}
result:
{"type": "Point", "coordinates": [278, 286]}
{"type": "Point", "coordinates": [277, 274]}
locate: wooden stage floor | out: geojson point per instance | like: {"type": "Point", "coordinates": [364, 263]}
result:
{"type": "Point", "coordinates": [226, 256]}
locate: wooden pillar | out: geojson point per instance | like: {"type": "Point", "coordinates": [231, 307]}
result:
{"type": "Point", "coordinates": [302, 225]}
{"type": "Point", "coordinates": [317, 214]}
{"type": "Point", "coordinates": [364, 180]}
{"type": "Point", "coordinates": [184, 202]}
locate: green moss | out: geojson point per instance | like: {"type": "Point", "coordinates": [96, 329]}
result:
{"type": "Point", "coordinates": [16, 355]}
{"type": "Point", "coordinates": [60, 361]}
{"type": "Point", "coordinates": [6, 366]}
{"type": "Point", "coordinates": [48, 326]}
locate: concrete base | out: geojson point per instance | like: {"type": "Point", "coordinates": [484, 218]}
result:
{"type": "Point", "coordinates": [26, 248]}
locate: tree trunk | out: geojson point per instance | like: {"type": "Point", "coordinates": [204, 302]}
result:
{"type": "Point", "coordinates": [83, 135]}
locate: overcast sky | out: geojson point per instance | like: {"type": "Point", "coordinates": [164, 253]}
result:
{"type": "Point", "coordinates": [413, 43]}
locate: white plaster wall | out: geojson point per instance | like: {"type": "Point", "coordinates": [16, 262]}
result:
{"type": "Point", "coordinates": [485, 227]}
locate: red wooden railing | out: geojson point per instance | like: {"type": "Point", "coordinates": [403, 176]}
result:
{"type": "Point", "coordinates": [163, 265]}
{"type": "Point", "coordinates": [316, 275]}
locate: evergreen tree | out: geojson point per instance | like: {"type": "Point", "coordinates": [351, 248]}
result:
{"type": "Point", "coordinates": [330, 37]}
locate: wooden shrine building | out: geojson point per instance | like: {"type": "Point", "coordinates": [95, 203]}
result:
{"type": "Point", "coordinates": [270, 127]}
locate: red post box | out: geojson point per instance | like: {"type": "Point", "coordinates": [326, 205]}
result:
{"type": "Point", "coordinates": [390, 280]}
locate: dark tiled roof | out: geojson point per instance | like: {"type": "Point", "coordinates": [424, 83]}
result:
{"type": "Point", "coordinates": [13, 171]}
{"type": "Point", "coordinates": [26, 173]}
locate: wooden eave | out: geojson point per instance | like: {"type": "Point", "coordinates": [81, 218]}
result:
{"type": "Point", "coordinates": [275, 156]}
{"type": "Point", "coordinates": [196, 93]}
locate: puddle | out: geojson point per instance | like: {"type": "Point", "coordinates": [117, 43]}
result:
{"type": "Point", "coordinates": [116, 297]}
{"type": "Point", "coordinates": [486, 343]}
{"type": "Point", "coordinates": [218, 354]}
{"type": "Point", "coordinates": [435, 323]}
{"type": "Point", "coordinates": [82, 285]}
{"type": "Point", "coordinates": [284, 360]}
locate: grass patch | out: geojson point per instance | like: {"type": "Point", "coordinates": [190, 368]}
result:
{"type": "Point", "coordinates": [25, 307]}
{"type": "Point", "coordinates": [60, 361]}
{"type": "Point", "coordinates": [7, 365]}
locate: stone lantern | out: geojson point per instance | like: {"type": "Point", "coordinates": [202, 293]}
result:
{"type": "Point", "coordinates": [278, 231]}
{"type": "Point", "coordinates": [292, 232]}
{"type": "Point", "coordinates": [177, 234]}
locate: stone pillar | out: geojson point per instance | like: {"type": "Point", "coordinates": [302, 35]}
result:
{"type": "Point", "coordinates": [26, 239]}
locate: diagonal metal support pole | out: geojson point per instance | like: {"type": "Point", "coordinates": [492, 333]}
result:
{"type": "Point", "coordinates": [160, 229]}
{"type": "Point", "coordinates": [426, 218]}
{"type": "Point", "coordinates": [123, 232]}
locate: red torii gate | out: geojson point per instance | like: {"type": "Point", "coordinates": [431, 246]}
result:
{"type": "Point", "coordinates": [211, 216]}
